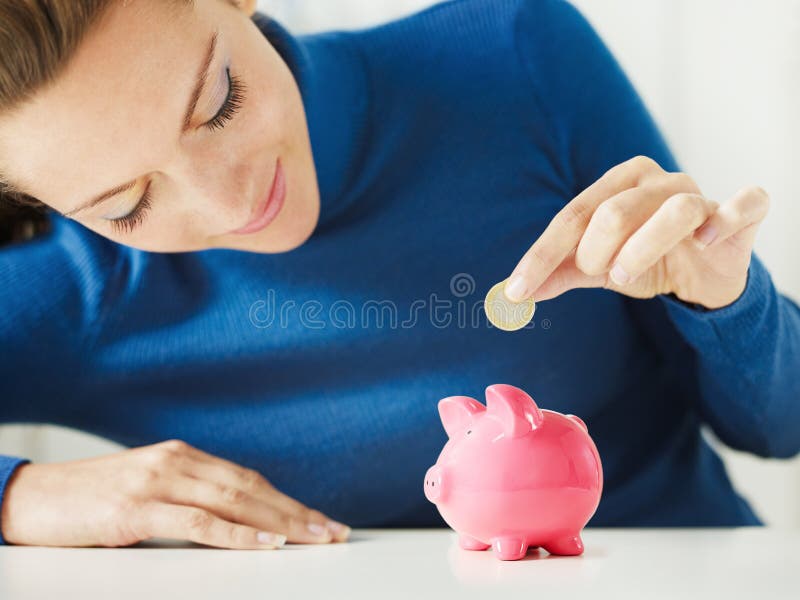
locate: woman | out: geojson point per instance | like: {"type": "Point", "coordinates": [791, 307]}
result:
{"type": "Point", "coordinates": [267, 250]}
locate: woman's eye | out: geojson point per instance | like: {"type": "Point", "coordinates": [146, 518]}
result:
{"type": "Point", "coordinates": [232, 103]}
{"type": "Point", "coordinates": [134, 218]}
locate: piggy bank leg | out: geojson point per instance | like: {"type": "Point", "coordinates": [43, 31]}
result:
{"type": "Point", "coordinates": [570, 545]}
{"type": "Point", "coordinates": [509, 548]}
{"type": "Point", "coordinates": [470, 543]}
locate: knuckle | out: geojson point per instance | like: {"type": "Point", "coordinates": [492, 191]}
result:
{"type": "Point", "coordinates": [174, 446]}
{"type": "Point", "coordinates": [284, 523]}
{"type": "Point", "coordinates": [157, 459]}
{"type": "Point", "coordinates": [682, 182]}
{"type": "Point", "coordinates": [573, 214]}
{"type": "Point", "coordinates": [198, 520]}
{"type": "Point", "coordinates": [232, 495]}
{"type": "Point", "coordinates": [643, 164]}
{"type": "Point", "coordinates": [167, 453]}
{"type": "Point", "coordinates": [611, 217]}
{"type": "Point", "coordinates": [538, 257]}
{"type": "Point", "coordinates": [685, 207]}
{"type": "Point", "coordinates": [251, 479]}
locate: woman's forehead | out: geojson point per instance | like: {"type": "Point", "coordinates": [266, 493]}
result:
{"type": "Point", "coordinates": [116, 106]}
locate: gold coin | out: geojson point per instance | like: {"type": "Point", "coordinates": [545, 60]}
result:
{"type": "Point", "coordinates": [505, 314]}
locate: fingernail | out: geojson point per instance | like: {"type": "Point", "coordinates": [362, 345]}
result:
{"type": "Point", "coordinates": [515, 288]}
{"type": "Point", "coordinates": [706, 235]}
{"type": "Point", "coordinates": [317, 529]}
{"type": "Point", "coordinates": [271, 539]}
{"type": "Point", "coordinates": [338, 528]}
{"type": "Point", "coordinates": [619, 276]}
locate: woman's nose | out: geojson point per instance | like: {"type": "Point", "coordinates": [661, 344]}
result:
{"type": "Point", "coordinates": [220, 195]}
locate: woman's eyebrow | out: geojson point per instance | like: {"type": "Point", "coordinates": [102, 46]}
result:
{"type": "Point", "coordinates": [187, 120]}
{"type": "Point", "coordinates": [201, 82]}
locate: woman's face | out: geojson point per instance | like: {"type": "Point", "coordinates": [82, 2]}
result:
{"type": "Point", "coordinates": [115, 119]}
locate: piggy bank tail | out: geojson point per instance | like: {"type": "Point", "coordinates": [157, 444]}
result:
{"type": "Point", "coordinates": [579, 421]}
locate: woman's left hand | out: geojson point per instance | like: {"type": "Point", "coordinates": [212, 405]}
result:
{"type": "Point", "coordinates": [642, 231]}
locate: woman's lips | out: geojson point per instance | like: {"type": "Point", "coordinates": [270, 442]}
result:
{"type": "Point", "coordinates": [269, 208]}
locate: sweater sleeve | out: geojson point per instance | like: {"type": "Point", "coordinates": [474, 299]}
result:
{"type": "Point", "coordinates": [744, 355]}
{"type": "Point", "coordinates": [8, 466]}
{"type": "Point", "coordinates": [53, 294]}
{"type": "Point", "coordinates": [748, 353]}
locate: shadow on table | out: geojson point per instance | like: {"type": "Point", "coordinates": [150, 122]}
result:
{"type": "Point", "coordinates": [482, 567]}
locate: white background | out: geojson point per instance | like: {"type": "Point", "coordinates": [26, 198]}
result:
{"type": "Point", "coordinates": [721, 78]}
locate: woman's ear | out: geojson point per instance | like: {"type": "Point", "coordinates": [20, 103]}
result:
{"type": "Point", "coordinates": [246, 6]}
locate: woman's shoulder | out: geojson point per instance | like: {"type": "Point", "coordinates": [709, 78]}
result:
{"type": "Point", "coordinates": [481, 27]}
{"type": "Point", "coordinates": [451, 44]}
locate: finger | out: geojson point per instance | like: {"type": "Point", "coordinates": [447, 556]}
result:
{"type": "Point", "coordinates": [564, 232]}
{"type": "Point", "coordinates": [616, 220]}
{"type": "Point", "coordinates": [735, 219]}
{"type": "Point", "coordinates": [567, 276]}
{"type": "Point", "coordinates": [677, 218]}
{"type": "Point", "coordinates": [195, 524]}
{"type": "Point", "coordinates": [207, 467]}
{"type": "Point", "coordinates": [234, 504]}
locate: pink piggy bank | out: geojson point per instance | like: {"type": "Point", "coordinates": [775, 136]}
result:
{"type": "Point", "coordinates": [514, 476]}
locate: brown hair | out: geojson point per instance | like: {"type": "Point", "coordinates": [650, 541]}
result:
{"type": "Point", "coordinates": [37, 39]}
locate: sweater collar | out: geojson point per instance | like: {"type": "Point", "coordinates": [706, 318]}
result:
{"type": "Point", "coordinates": [333, 84]}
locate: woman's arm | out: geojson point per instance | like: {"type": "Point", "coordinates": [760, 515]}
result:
{"type": "Point", "coordinates": [57, 295]}
{"type": "Point", "coordinates": [744, 353]}
{"type": "Point", "coordinates": [748, 356]}
{"type": "Point", "coordinates": [170, 490]}
{"type": "Point", "coordinates": [51, 294]}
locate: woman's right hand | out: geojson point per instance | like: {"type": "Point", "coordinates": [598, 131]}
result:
{"type": "Point", "coordinates": [167, 490]}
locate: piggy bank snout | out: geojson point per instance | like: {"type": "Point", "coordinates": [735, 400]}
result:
{"type": "Point", "coordinates": [433, 484]}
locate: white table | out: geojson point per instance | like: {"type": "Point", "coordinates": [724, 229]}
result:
{"type": "Point", "coordinates": [751, 563]}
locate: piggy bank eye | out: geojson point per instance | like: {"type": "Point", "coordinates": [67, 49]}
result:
{"type": "Point", "coordinates": [469, 431]}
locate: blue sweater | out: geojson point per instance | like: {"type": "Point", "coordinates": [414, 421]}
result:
{"type": "Point", "coordinates": [445, 143]}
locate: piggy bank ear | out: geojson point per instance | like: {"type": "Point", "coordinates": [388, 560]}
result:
{"type": "Point", "coordinates": [515, 409]}
{"type": "Point", "coordinates": [457, 412]}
